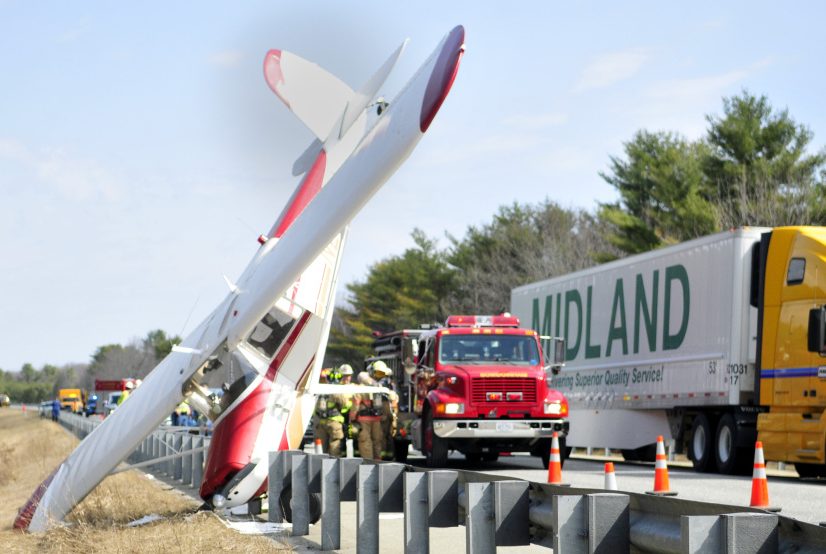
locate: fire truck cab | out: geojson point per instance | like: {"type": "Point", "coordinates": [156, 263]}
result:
{"type": "Point", "coordinates": [478, 385]}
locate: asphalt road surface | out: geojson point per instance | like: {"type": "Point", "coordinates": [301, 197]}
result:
{"type": "Point", "coordinates": [800, 499]}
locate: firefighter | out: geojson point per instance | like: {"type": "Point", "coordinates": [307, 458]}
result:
{"type": "Point", "coordinates": [125, 394]}
{"type": "Point", "coordinates": [366, 411]}
{"type": "Point", "coordinates": [331, 411]}
{"type": "Point", "coordinates": [383, 375]}
{"type": "Point", "coordinates": [346, 371]}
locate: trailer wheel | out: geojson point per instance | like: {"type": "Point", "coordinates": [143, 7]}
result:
{"type": "Point", "coordinates": [701, 447]}
{"type": "Point", "coordinates": [730, 459]}
{"type": "Point", "coordinates": [435, 447]}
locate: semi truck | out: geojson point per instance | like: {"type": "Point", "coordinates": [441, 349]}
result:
{"type": "Point", "coordinates": [478, 385]}
{"type": "Point", "coordinates": [715, 342]}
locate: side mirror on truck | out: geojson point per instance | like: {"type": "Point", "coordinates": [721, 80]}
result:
{"type": "Point", "coordinates": [556, 356]}
{"type": "Point", "coordinates": [817, 330]}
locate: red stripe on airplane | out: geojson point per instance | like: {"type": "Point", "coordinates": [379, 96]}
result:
{"type": "Point", "coordinates": [233, 438]}
{"type": "Point", "coordinates": [307, 190]}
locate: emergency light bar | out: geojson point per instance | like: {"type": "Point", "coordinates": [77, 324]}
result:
{"type": "Point", "coordinates": [503, 320]}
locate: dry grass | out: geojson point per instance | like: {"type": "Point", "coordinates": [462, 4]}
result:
{"type": "Point", "coordinates": [30, 449]}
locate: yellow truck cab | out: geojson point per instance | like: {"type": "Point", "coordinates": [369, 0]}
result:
{"type": "Point", "coordinates": [793, 368]}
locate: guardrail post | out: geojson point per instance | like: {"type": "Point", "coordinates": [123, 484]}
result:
{"type": "Point", "coordinates": [314, 468]}
{"type": "Point", "coordinates": [511, 512]}
{"type": "Point", "coordinates": [177, 463]}
{"type": "Point", "coordinates": [751, 532]}
{"type": "Point", "coordinates": [391, 487]}
{"type": "Point", "coordinates": [367, 508]}
{"type": "Point", "coordinates": [480, 521]}
{"type": "Point", "coordinates": [416, 529]}
{"type": "Point", "coordinates": [348, 478]}
{"type": "Point", "coordinates": [443, 498]}
{"type": "Point", "coordinates": [300, 501]}
{"type": "Point", "coordinates": [742, 533]}
{"type": "Point", "coordinates": [330, 505]}
{"type": "Point", "coordinates": [609, 523]}
{"type": "Point", "coordinates": [197, 461]}
{"type": "Point", "coordinates": [186, 462]}
{"type": "Point", "coordinates": [570, 525]}
{"type": "Point", "coordinates": [169, 466]}
{"type": "Point", "coordinates": [275, 484]}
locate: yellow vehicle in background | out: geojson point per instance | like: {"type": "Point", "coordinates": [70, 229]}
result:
{"type": "Point", "coordinates": [71, 400]}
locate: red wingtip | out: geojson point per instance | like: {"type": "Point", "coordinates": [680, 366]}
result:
{"type": "Point", "coordinates": [444, 73]}
{"type": "Point", "coordinates": [24, 517]}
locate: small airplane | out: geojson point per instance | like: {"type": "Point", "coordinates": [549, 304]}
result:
{"type": "Point", "coordinates": [264, 343]}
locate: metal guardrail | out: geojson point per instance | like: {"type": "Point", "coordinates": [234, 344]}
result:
{"type": "Point", "coordinates": [506, 512]}
{"type": "Point", "coordinates": [176, 452]}
{"type": "Point", "coordinates": [495, 511]}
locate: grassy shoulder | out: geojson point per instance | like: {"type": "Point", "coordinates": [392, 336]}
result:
{"type": "Point", "coordinates": [31, 448]}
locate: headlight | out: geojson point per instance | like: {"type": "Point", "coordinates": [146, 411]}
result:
{"type": "Point", "coordinates": [554, 408]}
{"type": "Point", "coordinates": [454, 408]}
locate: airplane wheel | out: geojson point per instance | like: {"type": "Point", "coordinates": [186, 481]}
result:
{"type": "Point", "coordinates": [286, 509]}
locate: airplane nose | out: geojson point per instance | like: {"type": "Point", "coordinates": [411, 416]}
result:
{"type": "Point", "coordinates": [441, 79]}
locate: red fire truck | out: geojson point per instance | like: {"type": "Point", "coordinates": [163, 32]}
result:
{"type": "Point", "coordinates": [478, 385]}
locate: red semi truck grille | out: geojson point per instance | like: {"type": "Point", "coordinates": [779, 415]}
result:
{"type": "Point", "coordinates": [482, 386]}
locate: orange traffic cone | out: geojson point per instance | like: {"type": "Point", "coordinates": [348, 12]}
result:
{"type": "Point", "coordinates": [610, 478]}
{"type": "Point", "coordinates": [555, 462]}
{"type": "Point", "coordinates": [319, 449]}
{"type": "Point", "coordinates": [661, 487]}
{"type": "Point", "coordinates": [759, 482]}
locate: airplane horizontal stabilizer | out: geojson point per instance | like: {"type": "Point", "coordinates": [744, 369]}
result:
{"type": "Point", "coordinates": [314, 95]}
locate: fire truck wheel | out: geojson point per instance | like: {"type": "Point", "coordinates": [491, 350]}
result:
{"type": "Point", "coordinates": [701, 445]}
{"type": "Point", "coordinates": [435, 447]}
{"type": "Point", "coordinates": [473, 457]}
{"type": "Point", "coordinates": [490, 456]}
{"type": "Point", "coordinates": [400, 450]}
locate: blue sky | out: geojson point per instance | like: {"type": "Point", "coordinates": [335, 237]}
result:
{"type": "Point", "coordinates": [141, 152]}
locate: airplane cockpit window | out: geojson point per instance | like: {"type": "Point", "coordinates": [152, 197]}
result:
{"type": "Point", "coordinates": [270, 332]}
{"type": "Point", "coordinates": [238, 376]}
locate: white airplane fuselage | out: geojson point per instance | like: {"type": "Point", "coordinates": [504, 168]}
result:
{"type": "Point", "coordinates": [269, 334]}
